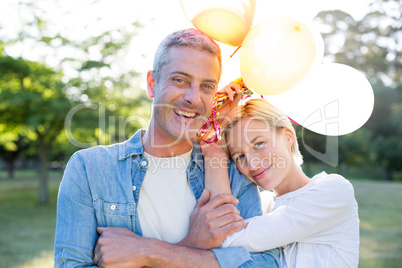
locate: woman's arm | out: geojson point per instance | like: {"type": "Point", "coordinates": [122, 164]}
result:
{"type": "Point", "coordinates": [311, 216]}
{"type": "Point", "coordinates": [215, 157]}
{"type": "Point", "coordinates": [216, 169]}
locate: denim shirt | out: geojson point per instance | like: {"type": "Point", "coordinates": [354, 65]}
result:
{"type": "Point", "coordinates": [101, 187]}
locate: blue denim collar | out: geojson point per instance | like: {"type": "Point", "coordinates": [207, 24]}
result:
{"type": "Point", "coordinates": [196, 156]}
{"type": "Point", "coordinates": [133, 146]}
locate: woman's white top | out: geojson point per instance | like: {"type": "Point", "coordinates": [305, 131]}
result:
{"type": "Point", "coordinates": [315, 226]}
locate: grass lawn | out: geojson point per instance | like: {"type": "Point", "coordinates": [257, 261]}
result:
{"type": "Point", "coordinates": [380, 213]}
{"type": "Point", "coordinates": [27, 229]}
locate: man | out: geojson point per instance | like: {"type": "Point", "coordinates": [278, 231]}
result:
{"type": "Point", "coordinates": [147, 187]}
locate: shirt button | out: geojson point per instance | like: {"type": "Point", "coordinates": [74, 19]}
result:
{"type": "Point", "coordinates": [134, 188]}
{"type": "Point", "coordinates": [144, 163]}
{"type": "Point", "coordinates": [113, 207]}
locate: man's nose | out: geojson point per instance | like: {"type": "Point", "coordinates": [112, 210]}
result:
{"type": "Point", "coordinates": [192, 95]}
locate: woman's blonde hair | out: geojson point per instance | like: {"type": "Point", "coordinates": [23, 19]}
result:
{"type": "Point", "coordinates": [260, 109]}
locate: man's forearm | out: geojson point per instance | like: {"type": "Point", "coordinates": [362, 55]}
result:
{"type": "Point", "coordinates": [163, 254]}
{"type": "Point", "coordinates": [121, 246]}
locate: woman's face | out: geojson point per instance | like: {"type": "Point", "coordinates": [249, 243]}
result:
{"type": "Point", "coordinates": [260, 152]}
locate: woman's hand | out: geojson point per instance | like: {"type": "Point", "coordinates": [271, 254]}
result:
{"type": "Point", "coordinates": [232, 102]}
{"type": "Point", "coordinates": [225, 109]}
{"type": "Point", "coordinates": [213, 150]}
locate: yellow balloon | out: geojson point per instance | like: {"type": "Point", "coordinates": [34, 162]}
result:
{"type": "Point", "coordinates": [225, 21]}
{"type": "Point", "coordinates": [276, 55]}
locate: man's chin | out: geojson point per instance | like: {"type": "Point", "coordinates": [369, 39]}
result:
{"type": "Point", "coordinates": [188, 134]}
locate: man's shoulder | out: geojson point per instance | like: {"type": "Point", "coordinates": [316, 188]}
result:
{"type": "Point", "coordinates": [235, 175]}
{"type": "Point", "coordinates": [99, 151]}
{"type": "Point", "coordinates": [115, 151]}
{"type": "Point", "coordinates": [246, 191]}
{"type": "Point", "coordinates": [238, 182]}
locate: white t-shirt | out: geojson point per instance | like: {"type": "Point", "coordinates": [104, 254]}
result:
{"type": "Point", "coordinates": [315, 226]}
{"type": "Point", "coordinates": [166, 199]}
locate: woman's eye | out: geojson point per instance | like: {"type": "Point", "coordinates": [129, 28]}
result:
{"type": "Point", "coordinates": [240, 157]}
{"type": "Point", "coordinates": [258, 144]}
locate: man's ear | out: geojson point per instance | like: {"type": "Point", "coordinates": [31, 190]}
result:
{"type": "Point", "coordinates": [150, 84]}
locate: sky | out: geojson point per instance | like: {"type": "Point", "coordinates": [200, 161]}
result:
{"type": "Point", "coordinates": [79, 19]}
{"type": "Point", "coordinates": [159, 17]}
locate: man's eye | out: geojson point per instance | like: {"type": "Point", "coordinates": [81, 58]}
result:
{"type": "Point", "coordinates": [178, 80]}
{"type": "Point", "coordinates": [209, 87]}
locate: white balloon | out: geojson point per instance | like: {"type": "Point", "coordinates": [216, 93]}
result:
{"type": "Point", "coordinates": [305, 10]}
{"type": "Point", "coordinates": [277, 54]}
{"type": "Point", "coordinates": [334, 99]}
{"type": "Point", "coordinates": [319, 43]}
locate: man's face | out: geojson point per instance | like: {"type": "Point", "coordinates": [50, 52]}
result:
{"type": "Point", "coordinates": [184, 94]}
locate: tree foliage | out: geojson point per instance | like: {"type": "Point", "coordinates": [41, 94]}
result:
{"type": "Point", "coordinates": [85, 76]}
{"type": "Point", "coordinates": [373, 46]}
{"type": "Point", "coordinates": [32, 99]}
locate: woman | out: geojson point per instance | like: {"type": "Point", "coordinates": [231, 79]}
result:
{"type": "Point", "coordinates": [314, 221]}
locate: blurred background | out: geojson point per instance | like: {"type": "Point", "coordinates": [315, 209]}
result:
{"type": "Point", "coordinates": [72, 76]}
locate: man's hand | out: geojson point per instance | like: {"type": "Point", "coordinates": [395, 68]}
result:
{"type": "Point", "coordinates": [212, 221]}
{"type": "Point", "coordinates": [120, 247]}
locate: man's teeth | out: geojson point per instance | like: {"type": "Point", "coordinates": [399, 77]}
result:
{"type": "Point", "coordinates": [185, 113]}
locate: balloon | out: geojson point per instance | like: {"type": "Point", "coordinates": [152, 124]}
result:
{"type": "Point", "coordinates": [305, 10]}
{"type": "Point", "coordinates": [319, 44]}
{"type": "Point", "coordinates": [334, 99]}
{"type": "Point", "coordinates": [277, 54]}
{"type": "Point", "coordinates": [227, 21]}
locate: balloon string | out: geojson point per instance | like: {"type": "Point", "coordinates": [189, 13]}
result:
{"type": "Point", "coordinates": [220, 99]}
{"type": "Point", "coordinates": [235, 51]}
{"type": "Point", "coordinates": [293, 121]}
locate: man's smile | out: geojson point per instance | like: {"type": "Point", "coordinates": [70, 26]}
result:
{"type": "Point", "coordinates": [181, 113]}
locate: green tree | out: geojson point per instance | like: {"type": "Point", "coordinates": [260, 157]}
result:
{"type": "Point", "coordinates": [32, 98]}
{"type": "Point", "coordinates": [38, 98]}
{"type": "Point", "coordinates": [371, 45]}
{"type": "Point", "coordinates": [12, 145]}
{"type": "Point", "coordinates": [109, 97]}
{"type": "Point", "coordinates": [385, 124]}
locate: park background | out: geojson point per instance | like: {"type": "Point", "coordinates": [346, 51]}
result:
{"type": "Point", "coordinates": [90, 57]}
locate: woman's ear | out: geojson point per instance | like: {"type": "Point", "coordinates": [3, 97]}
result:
{"type": "Point", "coordinates": [290, 137]}
{"type": "Point", "coordinates": [150, 84]}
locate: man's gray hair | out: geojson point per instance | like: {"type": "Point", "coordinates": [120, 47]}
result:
{"type": "Point", "coordinates": [191, 38]}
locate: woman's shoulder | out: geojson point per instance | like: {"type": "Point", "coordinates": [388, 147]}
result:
{"type": "Point", "coordinates": [333, 185]}
{"type": "Point", "coordinates": [323, 179]}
